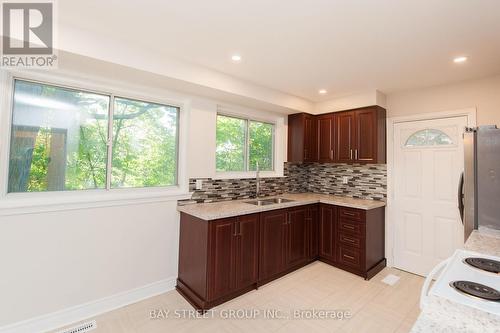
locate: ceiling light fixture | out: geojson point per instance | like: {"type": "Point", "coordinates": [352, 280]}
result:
{"type": "Point", "coordinates": [236, 58]}
{"type": "Point", "coordinates": [459, 60]}
{"type": "Point", "coordinates": [322, 91]}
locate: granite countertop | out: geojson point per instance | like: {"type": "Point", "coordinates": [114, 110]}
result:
{"type": "Point", "coordinates": [484, 241]}
{"type": "Point", "coordinates": [442, 315]}
{"type": "Point", "coordinates": [222, 209]}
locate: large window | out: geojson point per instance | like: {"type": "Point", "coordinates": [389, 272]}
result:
{"type": "Point", "coordinates": [62, 139]}
{"type": "Point", "coordinates": [242, 143]}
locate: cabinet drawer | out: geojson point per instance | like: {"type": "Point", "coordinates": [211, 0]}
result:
{"type": "Point", "coordinates": [356, 228]}
{"type": "Point", "coordinates": [352, 214]}
{"type": "Point", "coordinates": [348, 239]}
{"type": "Point", "coordinates": [350, 256]}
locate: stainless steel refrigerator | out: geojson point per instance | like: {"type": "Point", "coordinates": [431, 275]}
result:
{"type": "Point", "coordinates": [479, 190]}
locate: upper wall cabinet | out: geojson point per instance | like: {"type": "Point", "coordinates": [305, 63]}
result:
{"type": "Point", "coordinates": [346, 137]}
{"type": "Point", "coordinates": [370, 135]}
{"type": "Point", "coordinates": [326, 138]}
{"type": "Point", "coordinates": [302, 138]}
{"type": "Point", "coordinates": [354, 136]}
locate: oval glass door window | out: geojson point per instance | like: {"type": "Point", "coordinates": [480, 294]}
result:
{"type": "Point", "coordinates": [428, 137]}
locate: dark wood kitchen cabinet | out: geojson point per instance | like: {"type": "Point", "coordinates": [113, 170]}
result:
{"type": "Point", "coordinates": [353, 136]}
{"type": "Point", "coordinates": [247, 250]}
{"type": "Point", "coordinates": [327, 232]}
{"type": "Point", "coordinates": [218, 260]}
{"type": "Point", "coordinates": [224, 258]}
{"type": "Point", "coordinates": [302, 138]}
{"type": "Point", "coordinates": [272, 243]}
{"type": "Point", "coordinates": [297, 237]}
{"type": "Point", "coordinates": [313, 221]}
{"type": "Point", "coordinates": [345, 143]}
{"type": "Point", "coordinates": [370, 135]}
{"type": "Point", "coordinates": [360, 241]}
{"type": "Point", "coordinates": [326, 138]}
{"type": "Point", "coordinates": [233, 254]}
{"type": "Point", "coordinates": [361, 135]}
{"type": "Point", "coordinates": [286, 240]}
{"type": "Point", "coordinates": [352, 239]}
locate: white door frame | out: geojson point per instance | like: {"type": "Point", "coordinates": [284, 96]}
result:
{"type": "Point", "coordinates": [390, 230]}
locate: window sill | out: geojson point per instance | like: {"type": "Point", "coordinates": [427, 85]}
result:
{"type": "Point", "coordinates": [31, 203]}
{"type": "Point", "coordinates": [247, 175]}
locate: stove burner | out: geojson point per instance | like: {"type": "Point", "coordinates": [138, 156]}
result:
{"type": "Point", "coordinates": [488, 265]}
{"type": "Point", "coordinates": [477, 290]}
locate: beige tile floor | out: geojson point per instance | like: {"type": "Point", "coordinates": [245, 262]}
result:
{"type": "Point", "coordinates": [373, 305]}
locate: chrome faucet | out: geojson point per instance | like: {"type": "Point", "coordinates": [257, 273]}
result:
{"type": "Point", "coordinates": [257, 180]}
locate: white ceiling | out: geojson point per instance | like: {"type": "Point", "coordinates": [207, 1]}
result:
{"type": "Point", "coordinates": [298, 47]}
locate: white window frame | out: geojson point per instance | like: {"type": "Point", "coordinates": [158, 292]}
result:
{"type": "Point", "coordinates": [29, 202]}
{"type": "Point", "coordinates": [247, 142]}
{"type": "Point", "coordinates": [279, 140]}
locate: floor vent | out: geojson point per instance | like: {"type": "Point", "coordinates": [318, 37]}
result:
{"type": "Point", "coordinates": [84, 327]}
{"type": "Point", "coordinates": [391, 279]}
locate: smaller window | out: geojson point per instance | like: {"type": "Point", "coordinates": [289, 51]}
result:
{"type": "Point", "coordinates": [242, 143]}
{"type": "Point", "coordinates": [428, 137]}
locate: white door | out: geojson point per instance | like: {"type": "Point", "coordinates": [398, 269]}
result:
{"type": "Point", "coordinates": [428, 161]}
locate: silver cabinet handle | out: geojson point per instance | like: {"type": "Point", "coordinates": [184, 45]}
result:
{"type": "Point", "coordinates": [355, 154]}
{"type": "Point", "coordinates": [348, 256]}
{"type": "Point", "coordinates": [331, 154]}
{"type": "Point", "coordinates": [348, 239]}
{"type": "Point", "coordinates": [351, 154]}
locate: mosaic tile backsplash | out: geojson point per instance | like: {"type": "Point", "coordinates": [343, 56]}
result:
{"type": "Point", "coordinates": [364, 181]}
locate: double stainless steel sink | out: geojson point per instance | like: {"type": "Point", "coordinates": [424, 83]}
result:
{"type": "Point", "coordinates": [265, 202]}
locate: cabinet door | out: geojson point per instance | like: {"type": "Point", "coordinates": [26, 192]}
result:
{"type": "Point", "coordinates": [310, 139]}
{"type": "Point", "coordinates": [326, 137]}
{"type": "Point", "coordinates": [247, 262]}
{"type": "Point", "coordinates": [313, 232]}
{"type": "Point", "coordinates": [272, 238]}
{"type": "Point", "coordinates": [297, 237]}
{"type": "Point", "coordinates": [366, 136]}
{"type": "Point", "coordinates": [345, 136]}
{"type": "Point", "coordinates": [302, 138]}
{"type": "Point", "coordinates": [327, 232]}
{"type": "Point", "coordinates": [222, 257]}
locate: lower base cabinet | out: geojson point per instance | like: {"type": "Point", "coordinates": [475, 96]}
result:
{"type": "Point", "coordinates": [233, 251]}
{"type": "Point", "coordinates": [360, 241]}
{"type": "Point", "coordinates": [218, 260]}
{"type": "Point", "coordinates": [285, 240]}
{"type": "Point", "coordinates": [312, 220]}
{"type": "Point", "coordinates": [327, 233]}
{"type": "Point", "coordinates": [222, 259]}
{"type": "Point", "coordinates": [273, 244]}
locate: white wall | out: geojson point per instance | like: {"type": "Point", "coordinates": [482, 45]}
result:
{"type": "Point", "coordinates": [181, 75]}
{"type": "Point", "coordinates": [54, 260]}
{"type": "Point", "coordinates": [483, 94]}
{"type": "Point", "coordinates": [367, 98]}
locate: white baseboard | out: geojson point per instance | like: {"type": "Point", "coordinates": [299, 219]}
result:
{"type": "Point", "coordinates": [84, 311]}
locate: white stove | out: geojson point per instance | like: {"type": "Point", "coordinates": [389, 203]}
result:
{"type": "Point", "coordinates": [468, 278]}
